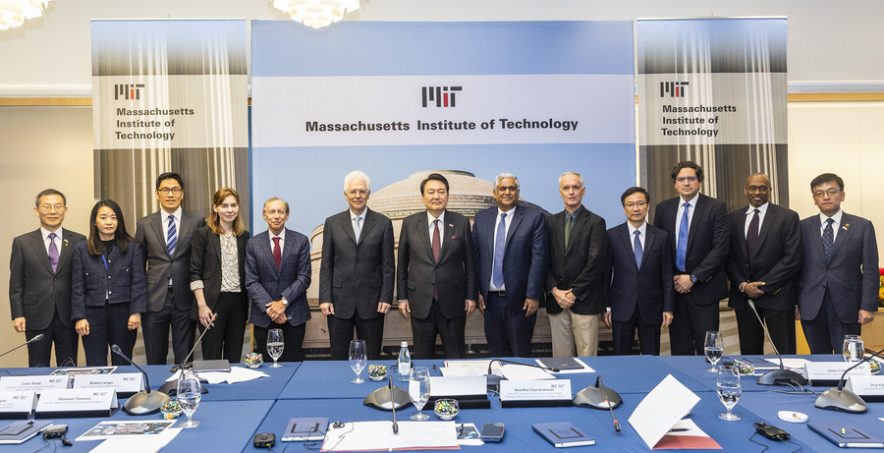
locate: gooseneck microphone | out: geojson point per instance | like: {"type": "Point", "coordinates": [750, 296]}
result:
{"type": "Point", "coordinates": [144, 402]}
{"type": "Point", "coordinates": [840, 399]}
{"type": "Point", "coordinates": [171, 387]}
{"type": "Point", "coordinates": [781, 376]}
{"type": "Point", "coordinates": [32, 340]}
{"type": "Point", "coordinates": [393, 404]}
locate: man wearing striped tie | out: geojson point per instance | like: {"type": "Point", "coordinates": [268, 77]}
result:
{"type": "Point", "coordinates": [165, 239]}
{"type": "Point", "coordinates": [699, 237]}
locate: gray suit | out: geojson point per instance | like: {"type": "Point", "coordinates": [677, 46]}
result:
{"type": "Point", "coordinates": [831, 294]}
{"type": "Point", "coordinates": [167, 306]}
{"type": "Point", "coordinates": [355, 278]}
{"type": "Point", "coordinates": [43, 297]}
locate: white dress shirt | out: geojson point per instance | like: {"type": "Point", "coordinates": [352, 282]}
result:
{"type": "Point", "coordinates": [58, 239]}
{"type": "Point", "coordinates": [750, 213]}
{"type": "Point", "coordinates": [835, 226]}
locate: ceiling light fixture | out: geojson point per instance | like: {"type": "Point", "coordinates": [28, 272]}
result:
{"type": "Point", "coordinates": [13, 13]}
{"type": "Point", "coordinates": [315, 13]}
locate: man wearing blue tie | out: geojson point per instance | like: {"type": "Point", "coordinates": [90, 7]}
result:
{"type": "Point", "coordinates": [510, 250]}
{"type": "Point", "coordinates": [839, 278]}
{"type": "Point", "coordinates": [699, 239]}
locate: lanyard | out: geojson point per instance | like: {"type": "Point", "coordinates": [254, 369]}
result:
{"type": "Point", "coordinates": [104, 260]}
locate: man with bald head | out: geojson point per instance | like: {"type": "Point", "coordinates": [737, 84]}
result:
{"type": "Point", "coordinates": [763, 266]}
{"type": "Point", "coordinates": [356, 271]}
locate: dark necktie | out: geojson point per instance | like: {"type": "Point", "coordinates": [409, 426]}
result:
{"type": "Point", "coordinates": [171, 236]}
{"type": "Point", "coordinates": [437, 241]}
{"type": "Point", "coordinates": [53, 252]}
{"type": "Point", "coordinates": [828, 240]}
{"type": "Point", "coordinates": [752, 235]}
{"type": "Point", "coordinates": [499, 248]}
{"type": "Point", "coordinates": [569, 225]}
{"type": "Point", "coordinates": [637, 248]}
{"type": "Point", "coordinates": [277, 253]}
{"type": "Point", "coordinates": [681, 247]}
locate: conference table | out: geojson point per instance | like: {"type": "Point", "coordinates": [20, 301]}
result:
{"type": "Point", "coordinates": [231, 414]}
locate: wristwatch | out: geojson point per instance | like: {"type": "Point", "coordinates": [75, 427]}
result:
{"type": "Point", "coordinates": [284, 302]}
{"type": "Point", "coordinates": [693, 278]}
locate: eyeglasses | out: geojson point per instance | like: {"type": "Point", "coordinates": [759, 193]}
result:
{"type": "Point", "coordinates": [683, 179]}
{"type": "Point", "coordinates": [638, 204]}
{"type": "Point", "coordinates": [169, 190]}
{"type": "Point", "coordinates": [822, 193]}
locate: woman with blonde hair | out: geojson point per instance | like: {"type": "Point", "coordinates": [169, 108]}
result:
{"type": "Point", "coordinates": [217, 278]}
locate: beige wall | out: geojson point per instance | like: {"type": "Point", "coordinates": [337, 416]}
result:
{"type": "Point", "coordinates": [41, 147]}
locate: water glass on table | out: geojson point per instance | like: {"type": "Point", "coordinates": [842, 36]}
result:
{"type": "Point", "coordinates": [729, 389]}
{"type": "Point", "coordinates": [419, 391]}
{"type": "Point", "coordinates": [854, 348]}
{"type": "Point", "coordinates": [357, 359]}
{"type": "Point", "coordinates": [275, 346]}
{"type": "Point", "coordinates": [189, 396]}
{"type": "Point", "coordinates": [713, 347]}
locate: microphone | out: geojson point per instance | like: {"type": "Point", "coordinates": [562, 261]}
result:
{"type": "Point", "coordinates": [840, 399]}
{"type": "Point", "coordinates": [171, 387]}
{"type": "Point", "coordinates": [32, 340]}
{"type": "Point", "coordinates": [599, 396]}
{"type": "Point", "coordinates": [393, 403]}
{"type": "Point", "coordinates": [781, 376]}
{"type": "Point", "coordinates": [144, 402]}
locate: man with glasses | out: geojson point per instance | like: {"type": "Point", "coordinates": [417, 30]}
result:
{"type": "Point", "coordinates": [165, 239]}
{"type": "Point", "coordinates": [510, 251]}
{"type": "Point", "coordinates": [765, 256]}
{"type": "Point", "coordinates": [577, 293]}
{"type": "Point", "coordinates": [839, 277]}
{"type": "Point", "coordinates": [641, 296]}
{"type": "Point", "coordinates": [699, 239]}
{"type": "Point", "coordinates": [40, 283]}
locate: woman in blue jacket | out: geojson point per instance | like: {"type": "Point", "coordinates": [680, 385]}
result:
{"type": "Point", "coordinates": [108, 289]}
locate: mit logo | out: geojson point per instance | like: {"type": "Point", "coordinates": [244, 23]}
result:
{"type": "Point", "coordinates": [673, 89]}
{"type": "Point", "coordinates": [441, 96]}
{"type": "Point", "coordinates": [130, 91]}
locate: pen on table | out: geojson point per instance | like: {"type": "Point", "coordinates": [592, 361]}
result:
{"type": "Point", "coordinates": [435, 370]}
{"type": "Point", "coordinates": [678, 430]}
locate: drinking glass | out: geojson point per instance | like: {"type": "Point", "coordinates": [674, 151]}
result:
{"type": "Point", "coordinates": [729, 389]}
{"type": "Point", "coordinates": [189, 397]}
{"type": "Point", "coordinates": [713, 347]}
{"type": "Point", "coordinates": [357, 359]}
{"type": "Point", "coordinates": [419, 391]}
{"type": "Point", "coordinates": [275, 345]}
{"type": "Point", "coordinates": [854, 348]}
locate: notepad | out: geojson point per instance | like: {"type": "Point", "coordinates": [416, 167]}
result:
{"type": "Point", "coordinates": [562, 434]}
{"type": "Point", "coordinates": [301, 429]}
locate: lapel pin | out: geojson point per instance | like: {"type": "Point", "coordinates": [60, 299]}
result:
{"type": "Point", "coordinates": [846, 227]}
{"type": "Point", "coordinates": [64, 243]}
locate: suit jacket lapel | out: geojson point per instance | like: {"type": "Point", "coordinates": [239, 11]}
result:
{"type": "Point", "coordinates": [579, 222]}
{"type": "Point", "coordinates": [447, 231]}
{"type": "Point", "coordinates": [287, 249]}
{"type": "Point", "coordinates": [514, 224]}
{"type": "Point", "coordinates": [650, 237]}
{"type": "Point", "coordinates": [156, 224]}
{"type": "Point", "coordinates": [489, 230]}
{"type": "Point", "coordinates": [627, 241]}
{"type": "Point", "coordinates": [367, 225]}
{"type": "Point", "coordinates": [268, 251]}
{"type": "Point", "coordinates": [65, 252]}
{"type": "Point", "coordinates": [40, 249]}
{"type": "Point", "coordinates": [843, 233]}
{"type": "Point", "coordinates": [423, 225]}
{"type": "Point", "coordinates": [769, 217]}
{"type": "Point", "coordinates": [347, 225]}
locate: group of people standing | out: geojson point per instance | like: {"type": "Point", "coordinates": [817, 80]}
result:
{"type": "Point", "coordinates": [181, 272]}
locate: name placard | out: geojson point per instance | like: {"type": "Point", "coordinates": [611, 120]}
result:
{"type": "Point", "coordinates": [33, 383]}
{"type": "Point", "coordinates": [870, 388]}
{"type": "Point", "coordinates": [125, 383]}
{"type": "Point", "coordinates": [17, 403]}
{"type": "Point", "coordinates": [832, 371]}
{"type": "Point", "coordinates": [536, 390]}
{"type": "Point", "coordinates": [82, 402]}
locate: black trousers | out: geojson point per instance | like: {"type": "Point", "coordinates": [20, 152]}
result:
{"type": "Point", "coordinates": [108, 326]}
{"type": "Point", "coordinates": [690, 323]}
{"type": "Point", "coordinates": [424, 333]}
{"type": "Point", "coordinates": [225, 339]}
{"type": "Point", "coordinates": [155, 328]}
{"type": "Point", "coordinates": [341, 332]}
{"type": "Point", "coordinates": [779, 323]}
{"type": "Point", "coordinates": [624, 332]}
{"type": "Point", "coordinates": [293, 337]}
{"type": "Point", "coordinates": [66, 341]}
{"type": "Point", "coordinates": [825, 333]}
{"type": "Point", "coordinates": [507, 331]}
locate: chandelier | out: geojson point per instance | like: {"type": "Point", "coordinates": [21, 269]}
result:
{"type": "Point", "coordinates": [13, 13]}
{"type": "Point", "coordinates": [314, 13]}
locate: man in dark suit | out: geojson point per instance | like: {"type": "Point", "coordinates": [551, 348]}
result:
{"type": "Point", "coordinates": [765, 257]}
{"type": "Point", "coordinates": [277, 277]}
{"type": "Point", "coordinates": [641, 295]}
{"type": "Point", "coordinates": [839, 279]}
{"type": "Point", "coordinates": [436, 280]}
{"type": "Point", "coordinates": [578, 249]}
{"type": "Point", "coordinates": [40, 283]}
{"type": "Point", "coordinates": [699, 240]}
{"type": "Point", "coordinates": [356, 272]}
{"type": "Point", "coordinates": [165, 241]}
{"type": "Point", "coordinates": [510, 249]}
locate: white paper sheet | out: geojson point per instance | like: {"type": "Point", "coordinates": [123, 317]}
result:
{"type": "Point", "coordinates": [480, 365]}
{"type": "Point", "coordinates": [137, 444]}
{"type": "Point", "coordinates": [378, 436]}
{"type": "Point", "coordinates": [235, 375]}
{"type": "Point", "coordinates": [789, 363]}
{"type": "Point", "coordinates": [461, 371]}
{"type": "Point", "coordinates": [660, 410]}
{"type": "Point", "coordinates": [522, 373]}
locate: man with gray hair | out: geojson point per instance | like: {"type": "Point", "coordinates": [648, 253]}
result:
{"type": "Point", "coordinates": [578, 247]}
{"type": "Point", "coordinates": [510, 250]}
{"type": "Point", "coordinates": [356, 271]}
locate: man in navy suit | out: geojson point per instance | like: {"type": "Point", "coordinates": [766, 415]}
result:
{"type": "Point", "coordinates": [839, 279]}
{"type": "Point", "coordinates": [277, 277]}
{"type": "Point", "coordinates": [510, 250]}
{"type": "Point", "coordinates": [437, 281]}
{"type": "Point", "coordinates": [763, 267]}
{"type": "Point", "coordinates": [356, 271]}
{"type": "Point", "coordinates": [641, 296]}
{"type": "Point", "coordinates": [699, 240]}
